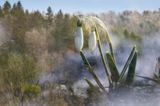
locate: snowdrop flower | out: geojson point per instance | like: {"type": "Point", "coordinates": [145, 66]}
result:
{"type": "Point", "coordinates": [92, 42]}
{"type": "Point", "coordinates": [79, 36]}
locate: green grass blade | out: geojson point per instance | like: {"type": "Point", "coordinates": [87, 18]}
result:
{"type": "Point", "coordinates": [127, 63]}
{"type": "Point", "coordinates": [113, 68]}
{"type": "Point", "coordinates": [131, 70]}
{"type": "Point", "coordinates": [148, 78]}
{"type": "Point", "coordinates": [90, 70]}
{"type": "Point", "coordinates": [90, 84]}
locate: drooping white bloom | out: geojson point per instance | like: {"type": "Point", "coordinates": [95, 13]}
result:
{"type": "Point", "coordinates": [79, 38]}
{"type": "Point", "coordinates": [92, 42]}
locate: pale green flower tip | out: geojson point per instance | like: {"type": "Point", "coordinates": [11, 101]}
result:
{"type": "Point", "coordinates": [135, 48]}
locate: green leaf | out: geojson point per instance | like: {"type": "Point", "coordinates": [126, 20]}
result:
{"type": "Point", "coordinates": [86, 62]}
{"type": "Point", "coordinates": [131, 70]}
{"type": "Point", "coordinates": [111, 50]}
{"type": "Point", "coordinates": [127, 63]}
{"type": "Point", "coordinates": [106, 67]}
{"type": "Point", "coordinates": [148, 78]}
{"type": "Point", "coordinates": [93, 90]}
{"type": "Point", "coordinates": [113, 68]}
{"type": "Point", "coordinates": [90, 70]}
{"type": "Point", "coordinates": [90, 84]}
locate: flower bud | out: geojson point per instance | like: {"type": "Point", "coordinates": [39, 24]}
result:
{"type": "Point", "coordinates": [79, 37]}
{"type": "Point", "coordinates": [92, 42]}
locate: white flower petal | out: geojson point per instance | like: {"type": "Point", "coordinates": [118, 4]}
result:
{"type": "Point", "coordinates": [79, 38]}
{"type": "Point", "coordinates": [92, 42]}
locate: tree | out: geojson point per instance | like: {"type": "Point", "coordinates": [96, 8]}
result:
{"type": "Point", "coordinates": [49, 15]}
{"type": "Point", "coordinates": [6, 7]}
{"type": "Point", "coordinates": [35, 19]}
{"type": "Point", "coordinates": [19, 5]}
{"type": "Point", "coordinates": [1, 12]}
{"type": "Point", "coordinates": [14, 9]}
{"type": "Point", "coordinates": [59, 14]}
{"type": "Point", "coordinates": [17, 9]}
{"type": "Point", "coordinates": [68, 31]}
{"type": "Point", "coordinates": [127, 13]}
{"type": "Point", "coordinates": [58, 36]}
{"type": "Point", "coordinates": [146, 12]}
{"type": "Point", "coordinates": [126, 33]}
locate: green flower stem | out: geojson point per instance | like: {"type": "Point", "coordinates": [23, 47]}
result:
{"type": "Point", "coordinates": [102, 57]}
{"type": "Point", "coordinates": [90, 70]}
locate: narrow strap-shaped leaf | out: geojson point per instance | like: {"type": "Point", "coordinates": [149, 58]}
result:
{"type": "Point", "coordinates": [127, 63]}
{"type": "Point", "coordinates": [110, 45]}
{"type": "Point", "coordinates": [106, 67]}
{"type": "Point", "coordinates": [113, 68]}
{"type": "Point", "coordinates": [90, 70]}
{"type": "Point", "coordinates": [90, 83]}
{"type": "Point", "coordinates": [86, 62]}
{"type": "Point", "coordinates": [131, 70]}
{"type": "Point", "coordinates": [111, 50]}
{"type": "Point", "coordinates": [156, 76]}
{"type": "Point", "coordinates": [147, 78]}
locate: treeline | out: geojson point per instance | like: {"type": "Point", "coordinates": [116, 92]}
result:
{"type": "Point", "coordinates": [19, 21]}
{"type": "Point", "coordinates": [134, 22]}
{"type": "Point", "coordinates": [36, 44]}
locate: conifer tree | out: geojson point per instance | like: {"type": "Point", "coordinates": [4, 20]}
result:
{"type": "Point", "coordinates": [1, 12]}
{"type": "Point", "coordinates": [49, 15]}
{"type": "Point", "coordinates": [6, 7]}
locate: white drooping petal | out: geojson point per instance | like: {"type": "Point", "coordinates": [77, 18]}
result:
{"type": "Point", "coordinates": [79, 38]}
{"type": "Point", "coordinates": [92, 42]}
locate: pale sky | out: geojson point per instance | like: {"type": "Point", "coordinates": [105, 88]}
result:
{"type": "Point", "coordinates": [85, 6]}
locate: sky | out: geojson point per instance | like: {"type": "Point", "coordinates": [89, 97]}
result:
{"type": "Point", "coordinates": [87, 6]}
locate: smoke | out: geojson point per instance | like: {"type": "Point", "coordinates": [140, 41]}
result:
{"type": "Point", "coordinates": [146, 64]}
{"type": "Point", "coordinates": [150, 52]}
{"type": "Point", "coordinates": [138, 96]}
{"type": "Point", "coordinates": [74, 71]}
